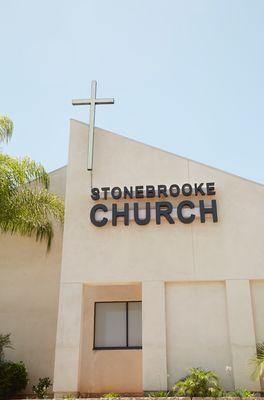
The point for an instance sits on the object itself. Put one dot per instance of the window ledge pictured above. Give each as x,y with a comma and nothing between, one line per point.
118,348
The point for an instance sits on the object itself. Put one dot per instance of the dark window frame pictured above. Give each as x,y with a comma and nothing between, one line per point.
127,347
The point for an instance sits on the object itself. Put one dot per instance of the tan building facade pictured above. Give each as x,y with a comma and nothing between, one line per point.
160,268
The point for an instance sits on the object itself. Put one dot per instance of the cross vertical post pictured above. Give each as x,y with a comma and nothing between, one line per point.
92,101
91,126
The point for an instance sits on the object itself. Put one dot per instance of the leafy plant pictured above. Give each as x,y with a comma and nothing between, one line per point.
6,128
13,378
41,389
199,383
160,393
258,362
111,395
5,343
69,396
239,393
26,205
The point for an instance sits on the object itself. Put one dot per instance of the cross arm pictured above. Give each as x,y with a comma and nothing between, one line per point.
80,102
104,101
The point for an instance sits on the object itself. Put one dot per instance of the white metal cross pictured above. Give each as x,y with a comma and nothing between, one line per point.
92,102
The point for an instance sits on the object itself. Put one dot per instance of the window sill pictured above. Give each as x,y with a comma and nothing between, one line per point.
118,348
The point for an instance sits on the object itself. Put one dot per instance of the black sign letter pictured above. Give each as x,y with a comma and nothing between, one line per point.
187,189
105,190
210,187
145,220
182,204
198,189
116,193
128,192
174,190
162,189
117,214
208,210
95,194
150,191
164,208
92,215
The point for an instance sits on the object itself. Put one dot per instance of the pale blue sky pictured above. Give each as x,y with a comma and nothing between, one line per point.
187,76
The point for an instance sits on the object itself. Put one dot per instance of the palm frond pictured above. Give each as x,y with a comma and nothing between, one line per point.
260,350
31,212
6,128
26,206
15,172
258,362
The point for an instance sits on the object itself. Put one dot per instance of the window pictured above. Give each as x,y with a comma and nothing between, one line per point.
118,325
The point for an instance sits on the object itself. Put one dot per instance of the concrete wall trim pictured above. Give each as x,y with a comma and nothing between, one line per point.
154,336
241,331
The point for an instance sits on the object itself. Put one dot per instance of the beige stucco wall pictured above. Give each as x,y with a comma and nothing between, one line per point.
197,330
224,256
104,371
203,250
257,293
29,290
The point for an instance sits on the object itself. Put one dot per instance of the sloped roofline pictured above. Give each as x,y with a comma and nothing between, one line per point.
57,169
167,152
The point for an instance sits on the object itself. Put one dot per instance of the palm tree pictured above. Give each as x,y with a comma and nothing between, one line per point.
26,205
258,362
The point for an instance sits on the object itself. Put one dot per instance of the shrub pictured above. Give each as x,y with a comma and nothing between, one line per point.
199,383
160,393
258,362
13,378
239,393
69,396
41,389
5,343
111,395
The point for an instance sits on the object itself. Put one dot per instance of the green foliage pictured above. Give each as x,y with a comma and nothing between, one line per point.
41,389
199,383
69,396
26,205
13,378
239,393
111,395
5,343
6,128
160,393
258,362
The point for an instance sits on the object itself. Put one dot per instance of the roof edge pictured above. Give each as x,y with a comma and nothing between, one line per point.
174,154
57,169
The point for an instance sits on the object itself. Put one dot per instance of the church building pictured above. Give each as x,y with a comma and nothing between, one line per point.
159,267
